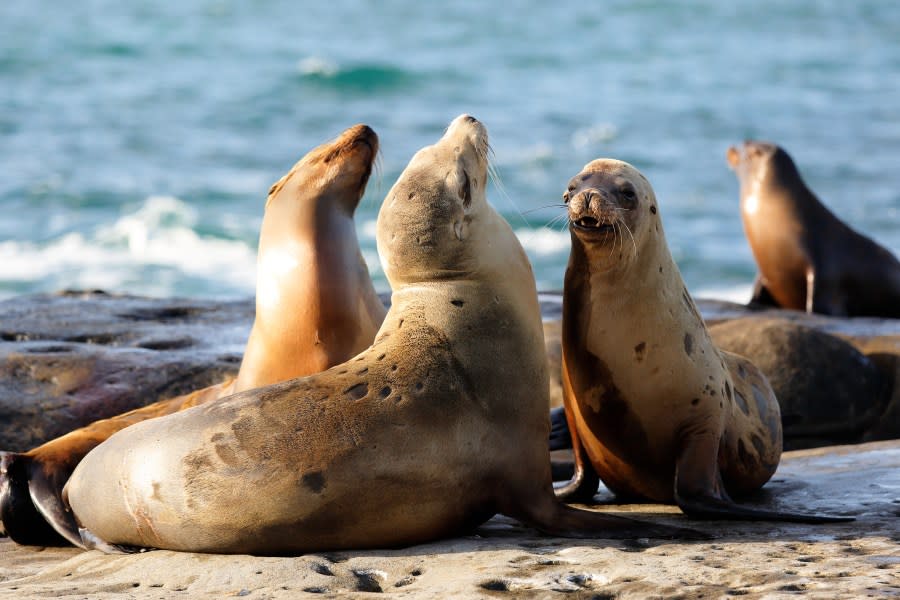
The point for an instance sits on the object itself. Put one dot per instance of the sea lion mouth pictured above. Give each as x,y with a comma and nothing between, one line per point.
592,225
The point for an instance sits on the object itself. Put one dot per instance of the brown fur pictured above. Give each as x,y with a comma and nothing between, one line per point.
437,426
808,258
316,305
658,411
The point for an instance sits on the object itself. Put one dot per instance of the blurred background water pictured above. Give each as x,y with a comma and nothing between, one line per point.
138,139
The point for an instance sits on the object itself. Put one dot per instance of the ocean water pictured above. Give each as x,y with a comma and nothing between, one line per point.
138,139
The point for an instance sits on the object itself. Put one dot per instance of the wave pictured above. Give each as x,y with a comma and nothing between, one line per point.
588,137
544,241
361,77
153,251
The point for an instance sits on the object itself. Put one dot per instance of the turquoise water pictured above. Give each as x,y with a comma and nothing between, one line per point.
138,139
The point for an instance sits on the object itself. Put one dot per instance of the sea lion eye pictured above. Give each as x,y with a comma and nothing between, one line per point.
465,190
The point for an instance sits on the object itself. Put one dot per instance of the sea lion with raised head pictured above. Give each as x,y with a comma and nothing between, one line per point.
808,258
653,407
440,424
315,307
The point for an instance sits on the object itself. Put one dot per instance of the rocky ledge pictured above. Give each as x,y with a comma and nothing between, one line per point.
502,559
70,358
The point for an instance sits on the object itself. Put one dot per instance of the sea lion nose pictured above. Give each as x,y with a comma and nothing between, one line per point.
590,200
733,155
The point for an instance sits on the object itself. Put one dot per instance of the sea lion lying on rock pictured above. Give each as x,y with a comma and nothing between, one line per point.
315,307
440,424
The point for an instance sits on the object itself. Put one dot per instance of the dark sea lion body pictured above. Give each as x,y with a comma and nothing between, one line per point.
808,258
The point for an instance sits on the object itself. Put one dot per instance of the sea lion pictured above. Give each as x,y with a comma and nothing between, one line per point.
808,258
315,307
653,406
437,426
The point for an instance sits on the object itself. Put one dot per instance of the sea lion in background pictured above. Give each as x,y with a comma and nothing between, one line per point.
441,423
315,307
808,258
653,406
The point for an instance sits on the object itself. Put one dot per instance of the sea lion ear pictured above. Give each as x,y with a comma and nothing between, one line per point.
465,190
275,188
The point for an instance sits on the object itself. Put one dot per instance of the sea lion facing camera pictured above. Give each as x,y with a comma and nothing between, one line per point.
437,426
315,307
808,258
653,406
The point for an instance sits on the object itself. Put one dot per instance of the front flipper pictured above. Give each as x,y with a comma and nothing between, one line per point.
22,520
700,494
761,295
585,481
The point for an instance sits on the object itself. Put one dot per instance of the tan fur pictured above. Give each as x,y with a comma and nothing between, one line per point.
316,306
437,426
642,380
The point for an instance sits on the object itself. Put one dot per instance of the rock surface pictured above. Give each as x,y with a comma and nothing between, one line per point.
502,559
72,358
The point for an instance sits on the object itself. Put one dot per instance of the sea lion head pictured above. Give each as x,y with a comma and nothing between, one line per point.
435,218
335,172
611,206
760,163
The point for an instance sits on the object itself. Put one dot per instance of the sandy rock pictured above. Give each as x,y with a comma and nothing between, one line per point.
502,559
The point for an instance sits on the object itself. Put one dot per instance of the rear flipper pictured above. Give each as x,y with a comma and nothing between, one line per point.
45,483
709,507
560,438
22,520
89,541
543,512
700,494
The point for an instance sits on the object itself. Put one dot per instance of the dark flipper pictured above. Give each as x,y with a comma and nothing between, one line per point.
709,507
585,481
700,494
546,514
560,438
46,494
22,520
761,294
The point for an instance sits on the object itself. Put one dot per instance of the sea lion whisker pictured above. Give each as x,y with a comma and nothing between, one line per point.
630,234
563,218
531,210
501,189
